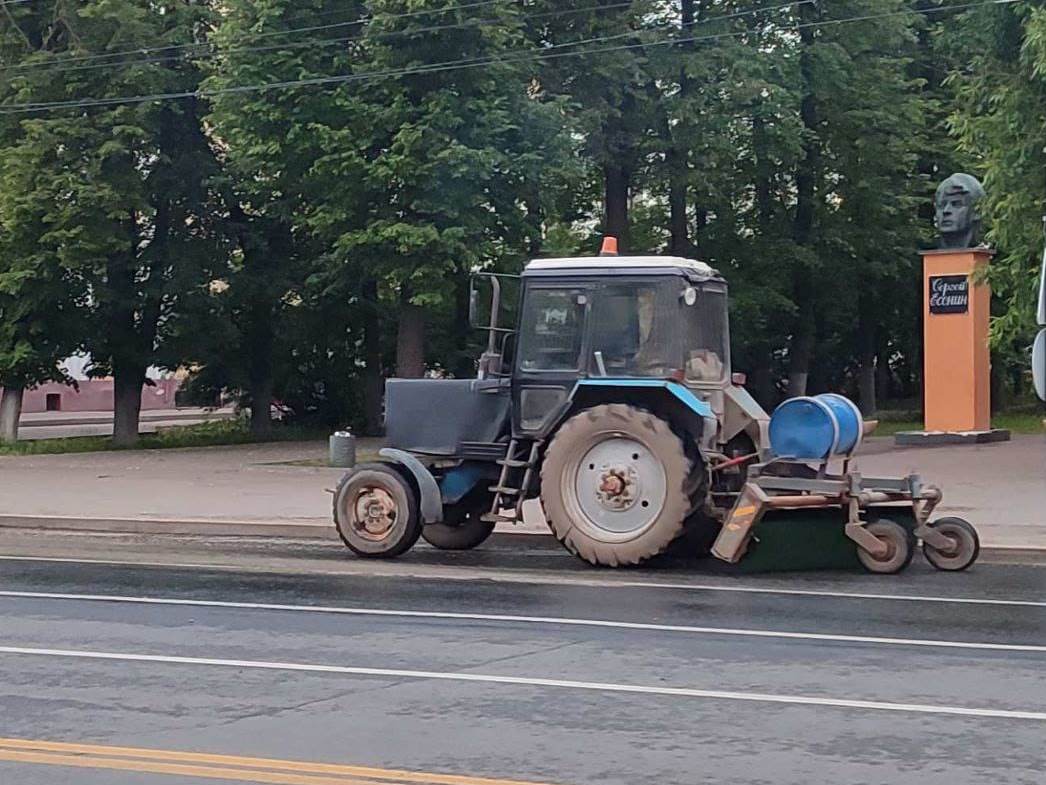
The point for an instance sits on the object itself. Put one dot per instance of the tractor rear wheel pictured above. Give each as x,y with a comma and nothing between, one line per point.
614,485
376,511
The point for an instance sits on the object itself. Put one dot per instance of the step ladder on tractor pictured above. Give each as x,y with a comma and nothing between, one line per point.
609,411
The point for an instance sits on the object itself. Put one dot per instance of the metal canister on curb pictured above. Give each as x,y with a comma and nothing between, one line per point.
342,449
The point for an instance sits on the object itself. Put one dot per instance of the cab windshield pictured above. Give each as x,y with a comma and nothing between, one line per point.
635,329
662,328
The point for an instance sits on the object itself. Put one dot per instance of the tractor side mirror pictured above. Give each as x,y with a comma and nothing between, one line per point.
508,351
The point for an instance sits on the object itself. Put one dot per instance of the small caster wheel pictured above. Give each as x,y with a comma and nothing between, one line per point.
900,547
966,545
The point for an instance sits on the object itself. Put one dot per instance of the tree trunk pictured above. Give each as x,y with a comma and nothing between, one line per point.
535,219
10,413
410,338
761,381
866,387
677,156
372,375
260,340
996,389
804,335
763,174
882,378
127,405
261,406
615,219
679,231
801,351
868,345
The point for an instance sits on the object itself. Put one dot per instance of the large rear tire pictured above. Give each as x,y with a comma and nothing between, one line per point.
614,485
376,511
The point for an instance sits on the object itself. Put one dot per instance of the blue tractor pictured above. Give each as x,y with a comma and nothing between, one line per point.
602,412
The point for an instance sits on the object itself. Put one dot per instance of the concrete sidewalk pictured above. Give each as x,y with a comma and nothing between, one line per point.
277,489
61,425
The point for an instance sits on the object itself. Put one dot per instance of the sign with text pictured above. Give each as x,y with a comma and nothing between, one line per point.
949,293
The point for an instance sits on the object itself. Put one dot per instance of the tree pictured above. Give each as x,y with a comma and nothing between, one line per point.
134,216
407,174
1000,89
612,92
39,294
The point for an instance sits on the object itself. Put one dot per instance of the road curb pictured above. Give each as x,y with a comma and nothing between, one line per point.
288,529
303,530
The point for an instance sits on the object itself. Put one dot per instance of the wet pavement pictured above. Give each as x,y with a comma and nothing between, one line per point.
302,664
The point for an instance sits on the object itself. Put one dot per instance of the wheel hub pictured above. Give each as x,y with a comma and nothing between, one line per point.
619,485
375,511
618,488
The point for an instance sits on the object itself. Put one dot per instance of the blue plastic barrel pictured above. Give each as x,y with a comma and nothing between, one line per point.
815,428
851,423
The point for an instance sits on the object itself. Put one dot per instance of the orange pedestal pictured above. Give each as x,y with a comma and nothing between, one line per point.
957,363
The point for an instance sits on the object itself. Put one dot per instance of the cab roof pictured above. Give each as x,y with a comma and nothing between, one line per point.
621,264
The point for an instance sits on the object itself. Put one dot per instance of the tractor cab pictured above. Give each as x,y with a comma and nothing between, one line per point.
616,322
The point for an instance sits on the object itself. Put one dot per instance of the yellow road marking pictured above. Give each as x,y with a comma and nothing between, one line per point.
228,767
179,769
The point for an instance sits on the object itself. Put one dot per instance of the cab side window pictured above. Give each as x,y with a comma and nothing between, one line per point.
551,334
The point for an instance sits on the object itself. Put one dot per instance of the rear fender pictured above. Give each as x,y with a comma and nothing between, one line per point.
666,398
430,501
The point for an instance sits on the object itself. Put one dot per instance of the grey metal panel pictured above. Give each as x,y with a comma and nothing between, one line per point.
431,501
435,416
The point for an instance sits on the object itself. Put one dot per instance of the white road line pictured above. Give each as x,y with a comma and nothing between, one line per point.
548,620
682,692
530,578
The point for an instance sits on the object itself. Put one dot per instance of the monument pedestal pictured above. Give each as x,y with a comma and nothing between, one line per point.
956,357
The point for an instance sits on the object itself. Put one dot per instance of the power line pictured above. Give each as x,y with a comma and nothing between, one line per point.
598,39
269,34
468,62
319,42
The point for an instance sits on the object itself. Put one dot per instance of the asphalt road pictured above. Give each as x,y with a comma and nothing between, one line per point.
279,662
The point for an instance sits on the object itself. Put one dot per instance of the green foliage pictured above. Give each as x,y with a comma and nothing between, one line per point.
295,243
112,200
1000,91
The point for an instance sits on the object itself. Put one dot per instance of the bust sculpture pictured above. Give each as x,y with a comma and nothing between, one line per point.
956,212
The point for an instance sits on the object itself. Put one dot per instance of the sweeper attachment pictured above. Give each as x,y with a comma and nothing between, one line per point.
883,518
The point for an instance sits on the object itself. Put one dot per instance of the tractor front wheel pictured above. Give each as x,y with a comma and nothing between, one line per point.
376,511
614,485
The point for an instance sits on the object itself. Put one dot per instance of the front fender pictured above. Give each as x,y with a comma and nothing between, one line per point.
430,500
